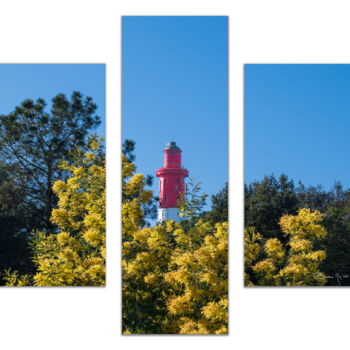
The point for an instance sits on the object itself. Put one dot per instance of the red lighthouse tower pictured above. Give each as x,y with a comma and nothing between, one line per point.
171,184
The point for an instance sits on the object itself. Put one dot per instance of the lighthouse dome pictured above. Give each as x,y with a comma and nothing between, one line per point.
171,145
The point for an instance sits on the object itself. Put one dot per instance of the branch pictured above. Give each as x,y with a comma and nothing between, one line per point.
29,170
26,160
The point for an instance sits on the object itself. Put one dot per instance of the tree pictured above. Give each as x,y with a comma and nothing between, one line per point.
14,251
337,244
198,275
34,141
295,264
191,202
266,202
150,208
252,252
219,207
154,263
75,256
128,149
335,205
145,254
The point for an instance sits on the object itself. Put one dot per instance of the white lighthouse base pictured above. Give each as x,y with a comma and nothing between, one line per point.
165,214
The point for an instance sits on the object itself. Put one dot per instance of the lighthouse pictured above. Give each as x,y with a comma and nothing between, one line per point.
171,183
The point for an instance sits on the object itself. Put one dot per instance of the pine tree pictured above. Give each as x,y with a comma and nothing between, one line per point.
33,141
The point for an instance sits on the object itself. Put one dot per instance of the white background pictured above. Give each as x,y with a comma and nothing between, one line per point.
89,32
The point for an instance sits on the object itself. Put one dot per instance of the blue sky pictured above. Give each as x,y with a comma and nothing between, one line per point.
174,88
22,81
297,121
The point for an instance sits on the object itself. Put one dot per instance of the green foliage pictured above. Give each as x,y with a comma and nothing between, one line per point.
268,200
36,141
219,207
191,202
33,141
336,266
14,250
75,256
128,149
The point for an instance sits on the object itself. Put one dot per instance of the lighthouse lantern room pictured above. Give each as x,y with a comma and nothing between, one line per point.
171,184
